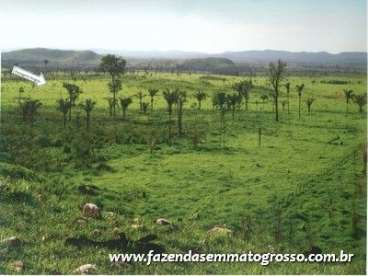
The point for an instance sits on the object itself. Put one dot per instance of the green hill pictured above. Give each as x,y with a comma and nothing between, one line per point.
55,58
211,64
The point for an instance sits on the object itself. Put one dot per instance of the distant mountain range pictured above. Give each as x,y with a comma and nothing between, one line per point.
260,56
90,58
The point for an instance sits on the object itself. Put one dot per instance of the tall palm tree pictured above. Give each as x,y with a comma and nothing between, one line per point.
20,92
124,103
181,99
264,98
200,96
74,91
233,100
171,98
283,104
219,101
360,100
276,75
243,88
88,106
309,103
140,96
115,67
348,93
152,93
111,103
63,107
29,109
299,89
45,61
287,86
114,86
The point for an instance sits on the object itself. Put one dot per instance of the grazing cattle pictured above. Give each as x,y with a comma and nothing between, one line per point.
85,269
91,210
162,221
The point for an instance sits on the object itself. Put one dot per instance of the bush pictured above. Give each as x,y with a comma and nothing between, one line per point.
17,172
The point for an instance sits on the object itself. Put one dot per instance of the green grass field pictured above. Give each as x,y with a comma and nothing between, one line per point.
306,179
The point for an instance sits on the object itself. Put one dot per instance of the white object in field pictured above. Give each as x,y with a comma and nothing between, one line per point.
38,80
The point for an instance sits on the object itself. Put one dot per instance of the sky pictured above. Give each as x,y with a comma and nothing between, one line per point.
186,25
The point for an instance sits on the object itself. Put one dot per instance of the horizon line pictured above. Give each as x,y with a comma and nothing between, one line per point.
173,50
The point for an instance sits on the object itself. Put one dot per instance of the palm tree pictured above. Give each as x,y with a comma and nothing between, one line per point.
219,101
299,89
145,107
110,102
284,103
114,86
276,74
287,86
181,99
114,66
46,61
200,96
233,100
309,103
360,100
152,92
124,103
348,93
20,92
140,96
29,109
171,97
243,88
74,91
88,106
264,98
63,107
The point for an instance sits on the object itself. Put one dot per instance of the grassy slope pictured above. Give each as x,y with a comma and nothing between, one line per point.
197,189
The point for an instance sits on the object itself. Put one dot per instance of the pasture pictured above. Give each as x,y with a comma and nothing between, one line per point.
278,186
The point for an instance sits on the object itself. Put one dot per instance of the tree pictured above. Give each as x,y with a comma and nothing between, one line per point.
29,109
264,98
360,100
124,103
88,106
20,92
219,101
145,107
140,96
114,87
243,88
200,96
74,91
276,73
111,103
284,103
233,100
152,93
171,97
115,67
63,107
45,61
348,93
299,89
287,86
309,103
181,99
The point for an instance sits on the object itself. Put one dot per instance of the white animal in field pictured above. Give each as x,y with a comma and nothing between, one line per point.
91,210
